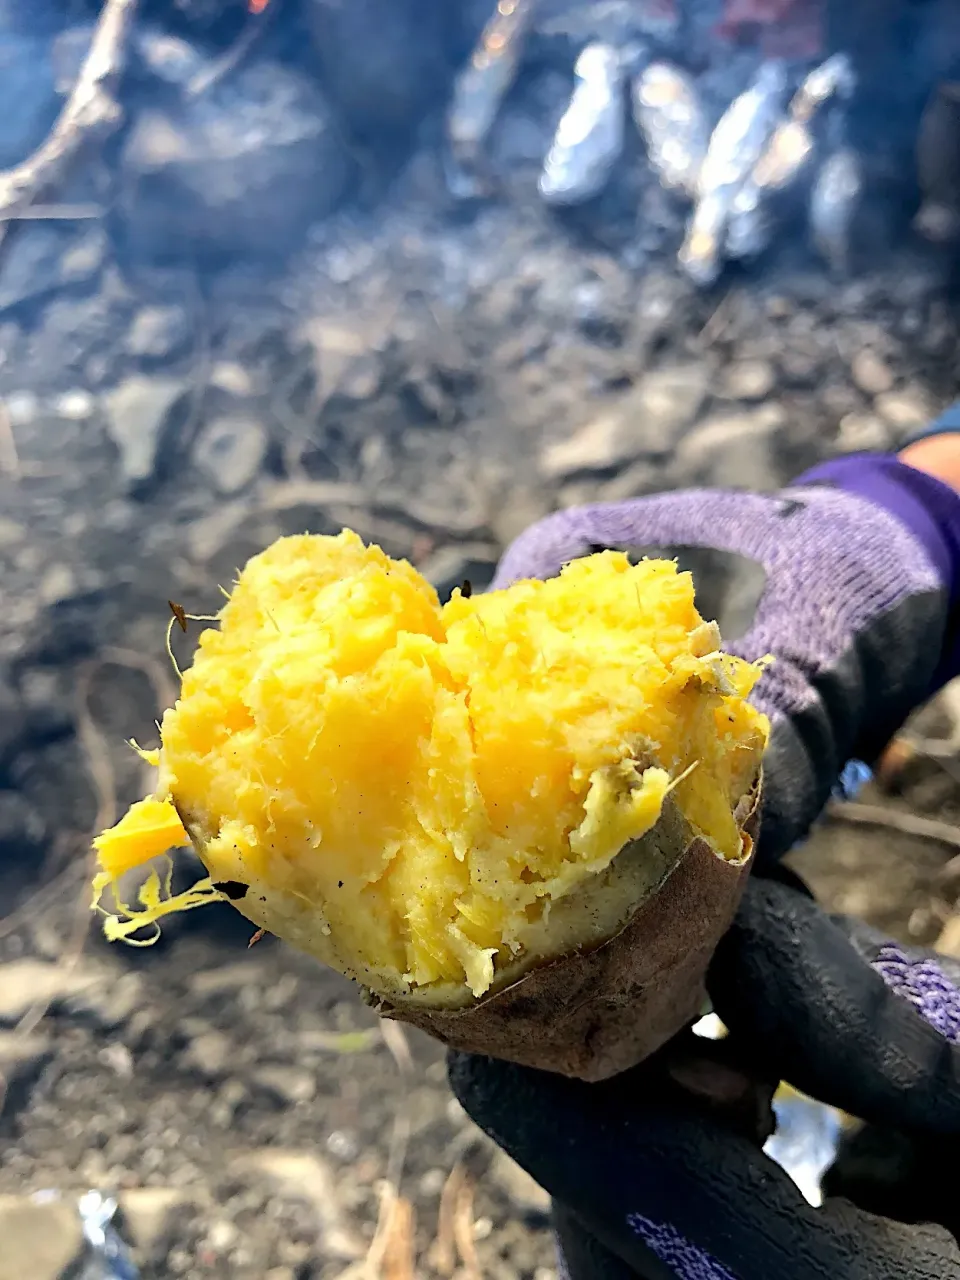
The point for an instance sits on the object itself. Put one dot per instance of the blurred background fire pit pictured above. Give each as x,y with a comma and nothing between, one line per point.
431,269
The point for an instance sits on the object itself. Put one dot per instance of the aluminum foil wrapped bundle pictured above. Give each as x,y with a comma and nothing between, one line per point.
785,159
743,131
750,225
479,91
590,136
673,123
782,150
833,204
834,78
701,254
735,147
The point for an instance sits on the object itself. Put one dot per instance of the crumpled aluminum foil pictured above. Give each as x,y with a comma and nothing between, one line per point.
806,1141
743,131
479,91
105,1256
761,148
786,157
834,201
701,254
834,78
808,1133
735,147
590,136
673,123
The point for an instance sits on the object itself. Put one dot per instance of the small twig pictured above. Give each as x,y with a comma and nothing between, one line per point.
91,111
58,213
455,1222
909,824
396,1041
940,749
399,1257
463,1223
391,1255
455,1228
442,1256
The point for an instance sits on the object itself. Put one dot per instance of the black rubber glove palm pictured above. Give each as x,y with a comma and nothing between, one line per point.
659,1172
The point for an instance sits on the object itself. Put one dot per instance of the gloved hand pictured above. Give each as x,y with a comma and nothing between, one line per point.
659,1172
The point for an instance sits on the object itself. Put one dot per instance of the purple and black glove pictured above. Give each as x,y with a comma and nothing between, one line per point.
859,568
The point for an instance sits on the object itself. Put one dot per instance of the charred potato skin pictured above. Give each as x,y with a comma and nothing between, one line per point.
594,1013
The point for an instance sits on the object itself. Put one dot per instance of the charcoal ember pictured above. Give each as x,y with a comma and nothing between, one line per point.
385,63
230,452
245,167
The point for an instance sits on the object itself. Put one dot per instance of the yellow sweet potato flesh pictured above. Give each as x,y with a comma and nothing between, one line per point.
430,780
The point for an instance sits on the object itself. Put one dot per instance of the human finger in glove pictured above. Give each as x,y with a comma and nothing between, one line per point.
659,1172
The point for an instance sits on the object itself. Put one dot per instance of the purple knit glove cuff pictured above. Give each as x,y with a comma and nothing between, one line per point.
926,506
